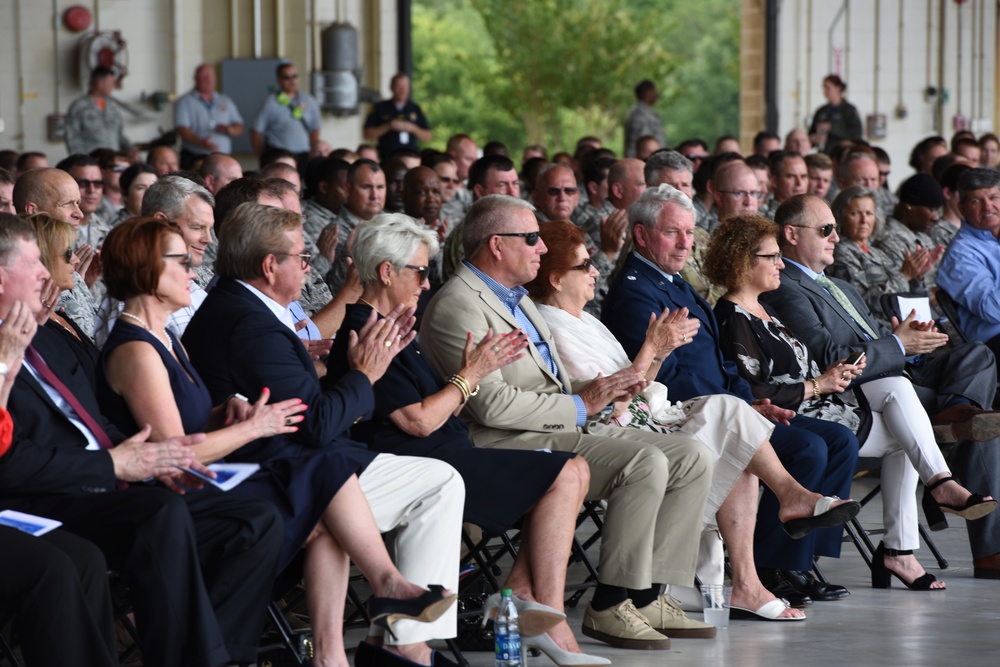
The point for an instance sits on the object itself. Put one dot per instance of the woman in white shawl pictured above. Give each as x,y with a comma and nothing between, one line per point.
725,424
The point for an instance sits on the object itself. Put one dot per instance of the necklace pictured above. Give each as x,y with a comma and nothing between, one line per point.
762,314
360,300
167,343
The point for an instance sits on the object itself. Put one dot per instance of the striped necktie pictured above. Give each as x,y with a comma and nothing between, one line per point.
846,304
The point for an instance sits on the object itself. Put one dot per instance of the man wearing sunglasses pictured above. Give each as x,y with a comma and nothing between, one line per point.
531,404
955,385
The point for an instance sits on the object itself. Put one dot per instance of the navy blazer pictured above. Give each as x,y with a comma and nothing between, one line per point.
238,346
695,369
48,455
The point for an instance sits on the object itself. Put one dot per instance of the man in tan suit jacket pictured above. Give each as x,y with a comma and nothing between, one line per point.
655,484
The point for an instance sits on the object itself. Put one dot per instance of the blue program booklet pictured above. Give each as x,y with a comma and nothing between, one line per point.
228,475
28,523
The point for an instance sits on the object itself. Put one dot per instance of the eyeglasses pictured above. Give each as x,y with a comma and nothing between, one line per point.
774,257
446,179
289,77
695,157
304,257
742,194
824,231
568,191
587,263
422,271
84,184
185,259
531,238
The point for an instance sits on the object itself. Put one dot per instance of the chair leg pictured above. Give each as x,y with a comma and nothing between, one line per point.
941,560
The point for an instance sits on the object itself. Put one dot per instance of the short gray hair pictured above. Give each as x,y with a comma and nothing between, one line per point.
12,230
847,195
665,159
487,217
977,179
646,210
251,232
391,237
168,195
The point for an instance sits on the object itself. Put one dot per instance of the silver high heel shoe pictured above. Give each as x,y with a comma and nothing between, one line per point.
561,656
533,618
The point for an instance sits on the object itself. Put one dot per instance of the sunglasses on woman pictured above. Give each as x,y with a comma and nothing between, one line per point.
587,263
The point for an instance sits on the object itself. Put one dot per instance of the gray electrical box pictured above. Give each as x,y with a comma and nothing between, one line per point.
249,81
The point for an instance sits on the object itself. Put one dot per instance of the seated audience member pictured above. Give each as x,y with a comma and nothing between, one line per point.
112,165
694,150
765,143
731,429
30,160
202,564
906,232
134,182
727,143
967,149
819,455
56,585
597,205
86,171
989,151
866,267
261,267
945,229
884,197
321,210
145,377
789,177
653,521
735,190
163,159
970,269
218,171
7,180
744,257
415,414
797,141
645,146
831,319
443,165
56,192
366,195
55,245
926,151
819,166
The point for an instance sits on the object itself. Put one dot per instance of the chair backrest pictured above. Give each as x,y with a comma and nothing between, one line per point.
950,310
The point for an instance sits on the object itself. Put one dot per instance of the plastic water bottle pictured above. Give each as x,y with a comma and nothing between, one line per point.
509,652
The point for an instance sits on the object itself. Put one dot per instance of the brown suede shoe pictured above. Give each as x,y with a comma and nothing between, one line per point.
987,567
966,422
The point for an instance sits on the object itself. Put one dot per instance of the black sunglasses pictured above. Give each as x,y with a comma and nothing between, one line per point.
587,263
568,191
422,271
825,230
85,183
531,238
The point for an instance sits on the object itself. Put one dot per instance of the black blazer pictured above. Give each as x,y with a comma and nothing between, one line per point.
238,346
48,454
695,369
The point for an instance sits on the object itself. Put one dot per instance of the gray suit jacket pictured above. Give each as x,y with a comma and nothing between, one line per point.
826,328
522,396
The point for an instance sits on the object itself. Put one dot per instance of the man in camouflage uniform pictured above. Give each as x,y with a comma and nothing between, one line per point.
641,120
588,215
789,177
365,190
93,121
906,232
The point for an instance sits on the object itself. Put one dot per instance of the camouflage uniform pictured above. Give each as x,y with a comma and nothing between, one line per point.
78,305
591,225
94,232
337,274
884,201
693,274
317,218
454,212
769,208
872,273
89,127
897,240
943,232
640,121
705,218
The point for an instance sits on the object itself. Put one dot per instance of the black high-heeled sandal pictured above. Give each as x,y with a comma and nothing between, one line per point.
881,574
426,608
975,507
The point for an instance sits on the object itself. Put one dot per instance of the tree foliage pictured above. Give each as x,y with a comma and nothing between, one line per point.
549,71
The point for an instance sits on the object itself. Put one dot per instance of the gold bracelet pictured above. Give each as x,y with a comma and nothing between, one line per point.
462,385
815,382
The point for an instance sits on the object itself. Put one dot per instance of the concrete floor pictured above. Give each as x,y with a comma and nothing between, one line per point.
896,627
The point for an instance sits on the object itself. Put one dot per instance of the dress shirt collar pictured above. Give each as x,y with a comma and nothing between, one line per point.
981,234
510,296
649,263
805,269
279,311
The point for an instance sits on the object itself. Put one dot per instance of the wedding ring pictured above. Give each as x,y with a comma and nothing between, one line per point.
45,304
388,343
288,421
684,338
495,348
25,330
843,375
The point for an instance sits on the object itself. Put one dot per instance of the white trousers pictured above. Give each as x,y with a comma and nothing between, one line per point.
902,435
422,500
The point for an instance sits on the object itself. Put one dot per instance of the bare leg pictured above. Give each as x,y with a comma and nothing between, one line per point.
796,501
736,518
326,571
539,572
349,522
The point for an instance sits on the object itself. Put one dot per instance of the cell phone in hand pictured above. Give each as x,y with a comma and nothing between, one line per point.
855,357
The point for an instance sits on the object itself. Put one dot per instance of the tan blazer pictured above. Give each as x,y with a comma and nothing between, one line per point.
522,396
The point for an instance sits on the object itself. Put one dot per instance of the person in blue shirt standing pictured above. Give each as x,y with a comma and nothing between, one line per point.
288,119
397,122
205,120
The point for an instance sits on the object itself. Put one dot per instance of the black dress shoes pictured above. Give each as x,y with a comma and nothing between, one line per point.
775,581
807,584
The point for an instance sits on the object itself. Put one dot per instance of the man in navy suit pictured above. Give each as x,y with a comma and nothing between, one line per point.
243,339
820,455
200,566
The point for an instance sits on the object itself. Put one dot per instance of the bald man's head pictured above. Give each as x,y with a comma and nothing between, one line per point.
736,190
50,190
422,194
